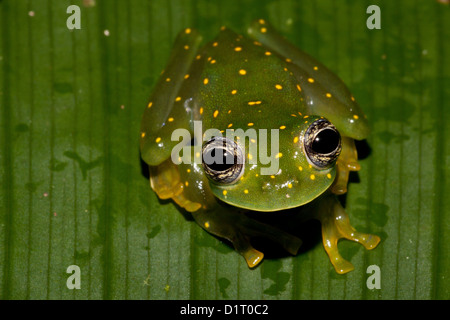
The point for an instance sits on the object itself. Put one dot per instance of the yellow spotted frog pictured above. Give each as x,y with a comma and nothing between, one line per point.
297,123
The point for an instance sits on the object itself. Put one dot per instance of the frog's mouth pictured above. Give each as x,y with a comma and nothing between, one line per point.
272,195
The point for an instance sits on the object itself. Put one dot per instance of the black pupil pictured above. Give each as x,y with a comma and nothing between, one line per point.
224,161
326,141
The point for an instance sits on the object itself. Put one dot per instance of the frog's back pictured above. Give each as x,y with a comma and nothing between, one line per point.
243,83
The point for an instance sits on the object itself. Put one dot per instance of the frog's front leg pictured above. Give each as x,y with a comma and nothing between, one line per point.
235,226
347,161
336,225
165,181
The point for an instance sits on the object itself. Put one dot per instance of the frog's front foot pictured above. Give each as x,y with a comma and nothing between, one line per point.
347,161
239,229
336,225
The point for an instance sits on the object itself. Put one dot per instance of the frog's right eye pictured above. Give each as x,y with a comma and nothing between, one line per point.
322,144
222,160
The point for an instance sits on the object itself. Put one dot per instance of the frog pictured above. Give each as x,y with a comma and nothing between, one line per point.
255,84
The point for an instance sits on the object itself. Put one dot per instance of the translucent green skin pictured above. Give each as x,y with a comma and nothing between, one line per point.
260,82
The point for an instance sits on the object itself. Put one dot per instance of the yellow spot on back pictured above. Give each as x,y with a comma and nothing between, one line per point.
215,44
261,21
216,113
290,185
142,134
316,68
224,192
273,177
206,224
213,61
158,140
256,43
188,170
250,124
312,177
150,104
279,155
283,127
242,72
230,125
299,88
186,47
177,98
246,191
278,86
355,116
205,81
233,91
250,157
187,30
237,49
170,119
353,98
288,60
295,139
328,95
310,80
300,168
201,110
186,76
168,79
186,183
268,53
329,175
198,57
263,29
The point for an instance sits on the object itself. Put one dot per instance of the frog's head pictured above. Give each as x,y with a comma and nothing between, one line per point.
278,168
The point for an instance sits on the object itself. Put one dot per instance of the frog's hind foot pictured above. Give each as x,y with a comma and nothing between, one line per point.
336,225
347,161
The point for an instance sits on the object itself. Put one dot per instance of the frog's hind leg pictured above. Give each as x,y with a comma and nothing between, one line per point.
165,181
336,225
347,161
239,229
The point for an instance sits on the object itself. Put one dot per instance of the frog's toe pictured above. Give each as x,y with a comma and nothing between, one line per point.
253,257
242,245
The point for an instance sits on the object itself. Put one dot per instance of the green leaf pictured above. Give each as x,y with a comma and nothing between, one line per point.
74,192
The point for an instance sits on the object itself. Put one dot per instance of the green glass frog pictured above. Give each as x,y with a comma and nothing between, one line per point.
254,85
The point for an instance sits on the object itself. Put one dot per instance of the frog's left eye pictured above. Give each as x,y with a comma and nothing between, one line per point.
222,160
322,143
